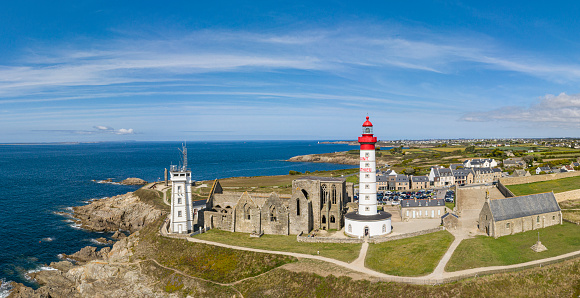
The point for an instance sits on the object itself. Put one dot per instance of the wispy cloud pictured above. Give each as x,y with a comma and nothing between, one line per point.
562,110
340,52
99,129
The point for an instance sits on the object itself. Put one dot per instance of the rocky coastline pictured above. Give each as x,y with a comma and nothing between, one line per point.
110,271
327,158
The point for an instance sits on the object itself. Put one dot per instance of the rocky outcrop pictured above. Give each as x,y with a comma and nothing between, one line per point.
118,235
123,212
134,181
89,253
112,276
340,159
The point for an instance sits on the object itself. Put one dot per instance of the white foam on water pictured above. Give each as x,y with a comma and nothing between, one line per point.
75,225
5,288
48,239
41,268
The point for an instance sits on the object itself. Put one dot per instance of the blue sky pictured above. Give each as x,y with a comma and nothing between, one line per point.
218,70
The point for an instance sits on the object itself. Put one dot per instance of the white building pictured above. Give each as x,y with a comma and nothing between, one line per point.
182,214
480,163
367,221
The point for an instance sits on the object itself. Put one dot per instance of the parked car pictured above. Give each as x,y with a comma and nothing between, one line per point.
395,203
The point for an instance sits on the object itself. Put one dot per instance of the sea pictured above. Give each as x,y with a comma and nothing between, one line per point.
41,182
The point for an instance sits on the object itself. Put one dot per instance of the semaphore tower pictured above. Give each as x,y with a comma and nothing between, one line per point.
367,221
181,204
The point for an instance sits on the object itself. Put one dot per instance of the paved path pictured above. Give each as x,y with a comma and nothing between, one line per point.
360,261
439,271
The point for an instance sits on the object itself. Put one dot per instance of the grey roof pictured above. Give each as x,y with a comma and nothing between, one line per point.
200,203
422,203
332,179
381,178
496,170
516,207
544,169
454,166
483,170
448,214
462,172
442,172
576,164
420,179
402,178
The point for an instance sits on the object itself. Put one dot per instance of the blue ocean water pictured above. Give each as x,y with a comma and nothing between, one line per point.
40,181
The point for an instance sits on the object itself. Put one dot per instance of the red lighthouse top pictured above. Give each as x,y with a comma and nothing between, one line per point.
367,140
367,123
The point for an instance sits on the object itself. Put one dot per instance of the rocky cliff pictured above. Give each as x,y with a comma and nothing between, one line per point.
108,272
125,212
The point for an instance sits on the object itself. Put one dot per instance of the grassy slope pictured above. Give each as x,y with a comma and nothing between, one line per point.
409,257
205,261
558,280
558,185
153,198
343,252
484,251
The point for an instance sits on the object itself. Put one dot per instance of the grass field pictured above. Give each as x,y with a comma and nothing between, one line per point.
409,257
205,261
152,197
558,280
346,252
558,185
484,251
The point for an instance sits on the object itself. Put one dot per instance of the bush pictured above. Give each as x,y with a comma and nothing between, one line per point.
294,172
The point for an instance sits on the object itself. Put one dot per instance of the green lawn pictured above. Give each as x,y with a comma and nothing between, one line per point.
414,256
484,251
558,185
344,252
450,205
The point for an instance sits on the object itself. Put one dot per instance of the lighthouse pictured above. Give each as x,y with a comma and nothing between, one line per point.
367,221
181,204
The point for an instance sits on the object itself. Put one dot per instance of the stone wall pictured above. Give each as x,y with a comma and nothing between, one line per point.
568,195
504,191
537,178
301,238
527,223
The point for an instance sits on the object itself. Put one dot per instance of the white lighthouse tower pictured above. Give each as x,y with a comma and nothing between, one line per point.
367,221
181,204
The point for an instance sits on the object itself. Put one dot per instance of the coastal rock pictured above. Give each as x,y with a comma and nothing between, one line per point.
104,240
89,253
118,235
134,181
339,159
125,212
63,266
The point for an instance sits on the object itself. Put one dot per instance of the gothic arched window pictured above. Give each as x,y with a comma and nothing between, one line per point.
324,194
332,220
298,207
273,213
334,194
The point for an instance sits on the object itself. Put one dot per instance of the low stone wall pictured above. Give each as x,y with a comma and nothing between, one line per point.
504,191
301,238
403,236
567,195
537,178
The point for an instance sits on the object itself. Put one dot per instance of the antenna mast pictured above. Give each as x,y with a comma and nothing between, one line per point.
184,152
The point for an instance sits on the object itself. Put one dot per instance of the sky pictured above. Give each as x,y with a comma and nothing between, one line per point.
287,70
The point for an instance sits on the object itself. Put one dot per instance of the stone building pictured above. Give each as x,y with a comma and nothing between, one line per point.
315,203
485,175
431,208
519,214
463,176
419,182
440,177
450,221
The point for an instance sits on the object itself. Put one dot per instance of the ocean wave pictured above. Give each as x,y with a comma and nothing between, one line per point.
76,225
40,268
48,239
5,287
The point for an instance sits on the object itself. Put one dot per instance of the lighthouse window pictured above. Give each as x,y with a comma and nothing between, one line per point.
367,209
366,154
366,165
367,176
366,197
366,186
178,213
350,228
178,200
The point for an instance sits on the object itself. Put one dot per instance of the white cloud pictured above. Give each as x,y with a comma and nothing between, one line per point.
562,110
124,131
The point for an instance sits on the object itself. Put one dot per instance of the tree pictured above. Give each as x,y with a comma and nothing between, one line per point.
409,171
470,149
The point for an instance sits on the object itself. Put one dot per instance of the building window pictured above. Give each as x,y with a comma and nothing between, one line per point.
350,228
538,219
297,207
407,213
366,154
178,189
367,209
366,186
178,200
324,194
367,175
507,225
384,228
178,213
273,213
367,197
439,212
367,165
332,220
323,219
333,194
553,217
